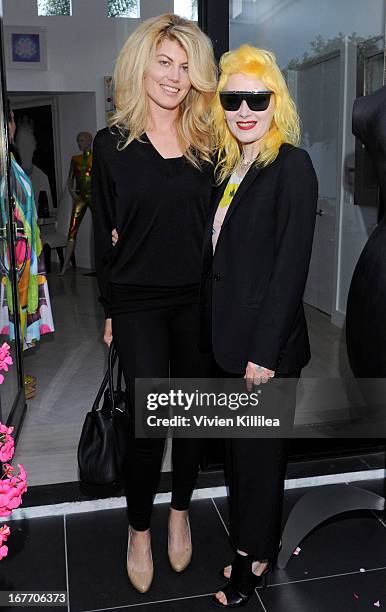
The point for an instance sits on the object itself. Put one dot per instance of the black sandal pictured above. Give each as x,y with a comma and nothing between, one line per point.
221,572
242,583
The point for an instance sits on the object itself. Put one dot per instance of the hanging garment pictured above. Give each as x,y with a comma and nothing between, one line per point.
34,300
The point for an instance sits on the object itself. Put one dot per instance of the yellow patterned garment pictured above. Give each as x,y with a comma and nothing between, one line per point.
227,197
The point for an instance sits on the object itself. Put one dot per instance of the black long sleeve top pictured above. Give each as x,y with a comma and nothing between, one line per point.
159,208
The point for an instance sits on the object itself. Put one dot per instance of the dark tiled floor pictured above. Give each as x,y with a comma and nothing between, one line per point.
325,576
344,593
36,558
96,556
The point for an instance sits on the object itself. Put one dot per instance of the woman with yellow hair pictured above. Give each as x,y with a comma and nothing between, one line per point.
256,257
152,180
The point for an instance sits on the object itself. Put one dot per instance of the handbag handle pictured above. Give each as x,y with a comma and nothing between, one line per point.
108,377
110,371
112,359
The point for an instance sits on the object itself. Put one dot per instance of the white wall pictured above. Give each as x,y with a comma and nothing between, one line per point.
81,50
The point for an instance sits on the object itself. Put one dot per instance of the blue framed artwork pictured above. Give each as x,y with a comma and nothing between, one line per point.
26,47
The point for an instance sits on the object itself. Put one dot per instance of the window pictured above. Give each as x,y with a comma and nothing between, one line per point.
123,8
47,8
187,9
236,8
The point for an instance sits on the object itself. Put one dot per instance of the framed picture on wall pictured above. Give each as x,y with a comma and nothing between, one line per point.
25,48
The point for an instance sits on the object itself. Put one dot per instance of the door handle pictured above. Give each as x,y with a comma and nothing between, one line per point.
320,212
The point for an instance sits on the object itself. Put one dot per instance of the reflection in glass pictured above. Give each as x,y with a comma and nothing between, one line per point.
373,69
236,8
47,8
300,31
10,388
34,303
123,8
187,9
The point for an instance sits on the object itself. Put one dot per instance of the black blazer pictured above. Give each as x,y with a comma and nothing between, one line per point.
252,287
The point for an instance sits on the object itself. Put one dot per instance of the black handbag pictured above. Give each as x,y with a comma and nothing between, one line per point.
105,434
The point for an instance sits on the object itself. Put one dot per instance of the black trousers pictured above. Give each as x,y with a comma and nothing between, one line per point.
157,343
255,471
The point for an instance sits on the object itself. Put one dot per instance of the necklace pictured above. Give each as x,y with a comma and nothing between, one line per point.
245,163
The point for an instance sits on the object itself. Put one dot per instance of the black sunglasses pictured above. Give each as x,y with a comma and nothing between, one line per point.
256,100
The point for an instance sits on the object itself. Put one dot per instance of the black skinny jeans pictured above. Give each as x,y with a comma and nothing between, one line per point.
148,343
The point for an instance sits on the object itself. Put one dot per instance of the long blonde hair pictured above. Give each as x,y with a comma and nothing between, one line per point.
131,101
285,126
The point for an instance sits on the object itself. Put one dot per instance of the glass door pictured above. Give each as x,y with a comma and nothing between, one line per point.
315,44
13,257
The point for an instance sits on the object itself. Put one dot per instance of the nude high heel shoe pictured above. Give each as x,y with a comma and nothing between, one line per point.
141,581
180,560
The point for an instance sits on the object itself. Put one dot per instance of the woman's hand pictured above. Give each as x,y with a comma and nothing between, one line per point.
114,237
255,374
108,332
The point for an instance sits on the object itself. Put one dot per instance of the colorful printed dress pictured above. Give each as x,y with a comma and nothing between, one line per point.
34,300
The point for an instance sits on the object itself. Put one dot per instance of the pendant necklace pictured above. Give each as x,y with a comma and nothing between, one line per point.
244,166
246,163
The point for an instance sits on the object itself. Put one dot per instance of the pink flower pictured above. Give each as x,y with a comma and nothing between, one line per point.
4,535
5,351
3,552
6,443
12,484
4,363
4,532
6,430
12,488
7,450
8,469
4,513
22,473
5,348
5,359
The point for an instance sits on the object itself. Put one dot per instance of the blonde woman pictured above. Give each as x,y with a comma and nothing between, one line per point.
152,181
256,257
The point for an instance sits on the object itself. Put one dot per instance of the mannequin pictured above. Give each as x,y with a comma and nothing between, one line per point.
79,186
366,306
26,145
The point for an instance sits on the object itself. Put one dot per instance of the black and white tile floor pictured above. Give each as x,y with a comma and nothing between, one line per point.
85,555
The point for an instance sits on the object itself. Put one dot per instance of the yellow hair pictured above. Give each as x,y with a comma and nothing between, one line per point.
285,125
132,108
